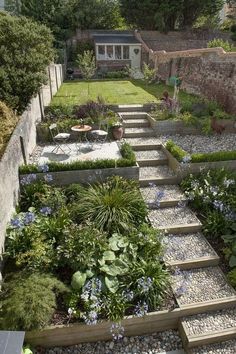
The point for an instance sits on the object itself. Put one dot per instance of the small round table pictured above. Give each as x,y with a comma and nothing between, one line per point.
82,131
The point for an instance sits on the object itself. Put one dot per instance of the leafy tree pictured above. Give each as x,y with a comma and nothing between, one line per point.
87,65
25,52
218,42
55,14
97,14
167,14
149,73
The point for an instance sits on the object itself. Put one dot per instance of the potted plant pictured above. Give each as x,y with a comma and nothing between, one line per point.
117,130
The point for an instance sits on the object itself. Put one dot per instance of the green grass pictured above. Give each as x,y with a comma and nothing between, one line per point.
112,91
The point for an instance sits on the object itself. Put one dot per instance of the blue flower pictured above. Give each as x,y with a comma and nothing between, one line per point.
144,284
16,223
181,290
128,295
48,178
151,184
46,210
141,309
117,331
91,318
28,179
186,159
43,168
29,218
218,205
182,203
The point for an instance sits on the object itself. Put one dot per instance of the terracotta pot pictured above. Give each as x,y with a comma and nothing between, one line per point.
117,132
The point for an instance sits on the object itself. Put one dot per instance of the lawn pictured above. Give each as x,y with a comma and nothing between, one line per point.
112,91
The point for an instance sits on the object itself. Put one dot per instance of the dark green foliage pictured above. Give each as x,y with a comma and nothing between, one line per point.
175,150
73,192
232,277
167,15
25,52
59,112
120,74
113,206
29,301
80,48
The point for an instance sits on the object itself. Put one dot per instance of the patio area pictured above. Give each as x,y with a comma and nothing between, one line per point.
75,152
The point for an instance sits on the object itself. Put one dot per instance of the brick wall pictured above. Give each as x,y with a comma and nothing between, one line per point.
207,72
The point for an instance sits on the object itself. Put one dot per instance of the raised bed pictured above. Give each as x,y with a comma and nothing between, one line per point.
62,178
170,126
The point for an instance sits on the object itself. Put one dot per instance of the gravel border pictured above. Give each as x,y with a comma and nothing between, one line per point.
200,285
218,348
147,344
172,216
213,321
203,143
186,246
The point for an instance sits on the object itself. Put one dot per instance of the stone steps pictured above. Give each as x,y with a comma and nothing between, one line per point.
133,115
172,196
154,157
142,142
124,108
136,123
188,251
207,328
138,132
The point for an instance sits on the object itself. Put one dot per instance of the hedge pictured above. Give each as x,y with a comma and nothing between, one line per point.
179,154
128,159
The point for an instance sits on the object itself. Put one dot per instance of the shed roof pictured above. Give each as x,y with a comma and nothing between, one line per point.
115,39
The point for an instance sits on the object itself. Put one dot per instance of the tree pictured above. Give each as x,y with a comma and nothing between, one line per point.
167,15
87,65
97,14
25,52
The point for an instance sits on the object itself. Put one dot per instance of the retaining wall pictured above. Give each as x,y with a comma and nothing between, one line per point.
14,153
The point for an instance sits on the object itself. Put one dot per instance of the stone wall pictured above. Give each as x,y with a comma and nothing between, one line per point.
13,156
184,40
207,72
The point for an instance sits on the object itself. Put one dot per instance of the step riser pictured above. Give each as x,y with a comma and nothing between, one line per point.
136,125
143,147
211,338
147,163
130,109
164,204
133,116
198,263
158,181
139,135
182,229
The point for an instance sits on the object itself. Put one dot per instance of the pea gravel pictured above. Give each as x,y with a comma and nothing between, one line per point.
172,216
150,155
143,141
156,172
148,344
171,192
228,347
200,285
186,247
203,143
212,321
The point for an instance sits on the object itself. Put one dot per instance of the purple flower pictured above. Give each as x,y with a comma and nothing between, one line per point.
177,271
181,290
46,211
117,331
28,179
29,218
141,309
43,168
16,223
218,205
48,178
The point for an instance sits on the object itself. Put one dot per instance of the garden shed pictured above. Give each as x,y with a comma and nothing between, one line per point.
116,50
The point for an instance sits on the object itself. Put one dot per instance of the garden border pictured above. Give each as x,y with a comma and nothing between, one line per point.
62,178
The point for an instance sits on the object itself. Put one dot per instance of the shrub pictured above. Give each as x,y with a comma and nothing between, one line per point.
29,301
218,42
120,74
112,206
23,73
8,122
175,150
73,192
91,109
232,277
214,156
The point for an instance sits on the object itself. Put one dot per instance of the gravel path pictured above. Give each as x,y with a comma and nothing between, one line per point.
156,172
186,246
150,154
139,130
199,285
148,344
203,143
171,192
213,321
172,216
219,348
